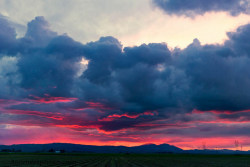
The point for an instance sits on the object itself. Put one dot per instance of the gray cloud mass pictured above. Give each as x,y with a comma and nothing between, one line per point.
136,82
193,7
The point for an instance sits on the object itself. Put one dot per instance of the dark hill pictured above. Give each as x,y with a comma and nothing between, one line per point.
149,148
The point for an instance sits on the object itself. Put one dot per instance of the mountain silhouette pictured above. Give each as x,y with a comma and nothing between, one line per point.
147,148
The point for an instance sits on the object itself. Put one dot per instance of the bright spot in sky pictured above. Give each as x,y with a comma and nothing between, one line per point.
83,66
84,62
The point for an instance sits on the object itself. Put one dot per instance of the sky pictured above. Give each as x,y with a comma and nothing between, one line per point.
108,72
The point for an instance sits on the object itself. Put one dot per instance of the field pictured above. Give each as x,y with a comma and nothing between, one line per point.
122,160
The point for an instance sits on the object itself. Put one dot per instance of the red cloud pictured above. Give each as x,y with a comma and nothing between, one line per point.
115,116
56,116
49,99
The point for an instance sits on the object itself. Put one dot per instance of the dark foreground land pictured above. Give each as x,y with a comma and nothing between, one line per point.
122,160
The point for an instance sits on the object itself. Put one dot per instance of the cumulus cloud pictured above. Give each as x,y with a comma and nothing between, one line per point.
133,88
193,7
7,36
9,77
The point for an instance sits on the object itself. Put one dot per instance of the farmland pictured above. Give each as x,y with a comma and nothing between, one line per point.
122,160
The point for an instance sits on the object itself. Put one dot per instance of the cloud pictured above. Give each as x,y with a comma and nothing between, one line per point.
123,91
38,32
9,77
7,36
193,7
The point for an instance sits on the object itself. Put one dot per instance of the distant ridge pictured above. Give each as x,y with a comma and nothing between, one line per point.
147,148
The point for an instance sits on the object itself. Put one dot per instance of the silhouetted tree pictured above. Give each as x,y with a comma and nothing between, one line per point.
62,151
6,150
51,150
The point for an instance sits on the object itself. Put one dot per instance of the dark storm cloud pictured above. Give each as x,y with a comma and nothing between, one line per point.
238,116
240,41
7,36
48,62
219,75
120,88
193,7
38,33
103,55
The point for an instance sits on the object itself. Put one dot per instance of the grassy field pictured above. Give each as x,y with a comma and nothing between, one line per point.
122,160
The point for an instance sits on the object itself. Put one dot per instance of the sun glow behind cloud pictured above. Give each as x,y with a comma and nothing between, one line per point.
176,31
49,127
